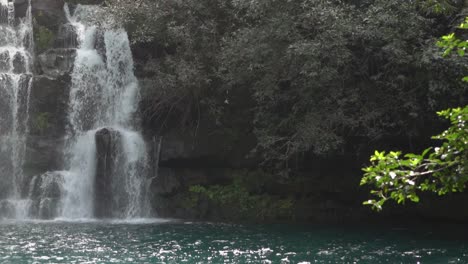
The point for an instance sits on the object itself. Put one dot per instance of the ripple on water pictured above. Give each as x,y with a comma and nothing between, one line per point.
158,241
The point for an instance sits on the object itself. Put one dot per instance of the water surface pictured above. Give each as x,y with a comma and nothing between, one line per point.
156,241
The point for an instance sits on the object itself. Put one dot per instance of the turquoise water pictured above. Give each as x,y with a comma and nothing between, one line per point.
182,242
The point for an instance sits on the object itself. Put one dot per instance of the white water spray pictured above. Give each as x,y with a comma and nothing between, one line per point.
16,47
104,94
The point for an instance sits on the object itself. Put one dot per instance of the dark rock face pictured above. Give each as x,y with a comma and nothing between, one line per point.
66,37
49,13
45,193
49,95
7,209
86,2
5,100
48,16
166,183
49,6
100,45
187,151
107,149
327,192
19,64
43,154
47,123
21,7
57,62
4,62
48,103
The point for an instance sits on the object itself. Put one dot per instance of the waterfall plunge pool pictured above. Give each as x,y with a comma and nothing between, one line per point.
164,241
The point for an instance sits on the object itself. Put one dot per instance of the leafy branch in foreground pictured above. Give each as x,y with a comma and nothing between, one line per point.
442,170
451,43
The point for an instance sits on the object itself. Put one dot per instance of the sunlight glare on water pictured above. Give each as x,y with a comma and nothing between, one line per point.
162,241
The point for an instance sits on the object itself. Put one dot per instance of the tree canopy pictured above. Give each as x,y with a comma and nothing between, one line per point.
307,78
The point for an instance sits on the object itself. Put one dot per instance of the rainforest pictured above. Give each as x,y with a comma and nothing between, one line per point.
238,131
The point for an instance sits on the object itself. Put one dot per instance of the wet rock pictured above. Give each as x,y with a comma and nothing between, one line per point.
66,37
45,192
48,16
100,45
35,183
46,208
47,124
19,63
7,209
6,169
51,184
48,106
86,2
48,185
57,62
21,8
166,183
4,62
43,154
107,149
204,150
6,83
48,13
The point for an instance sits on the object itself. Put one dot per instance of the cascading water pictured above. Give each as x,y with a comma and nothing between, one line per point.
105,157
103,99
16,47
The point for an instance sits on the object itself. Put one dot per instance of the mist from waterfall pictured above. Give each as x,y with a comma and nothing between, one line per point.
16,47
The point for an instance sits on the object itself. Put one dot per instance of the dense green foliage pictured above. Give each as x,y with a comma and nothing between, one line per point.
441,169
243,199
307,77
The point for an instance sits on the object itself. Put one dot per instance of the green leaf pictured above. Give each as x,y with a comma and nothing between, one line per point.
414,198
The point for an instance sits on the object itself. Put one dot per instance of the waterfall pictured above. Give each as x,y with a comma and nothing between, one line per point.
104,174
104,181
16,48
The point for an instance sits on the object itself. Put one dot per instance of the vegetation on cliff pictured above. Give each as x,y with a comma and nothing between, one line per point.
242,200
308,78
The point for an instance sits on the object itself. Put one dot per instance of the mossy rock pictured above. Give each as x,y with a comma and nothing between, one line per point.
43,38
41,122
